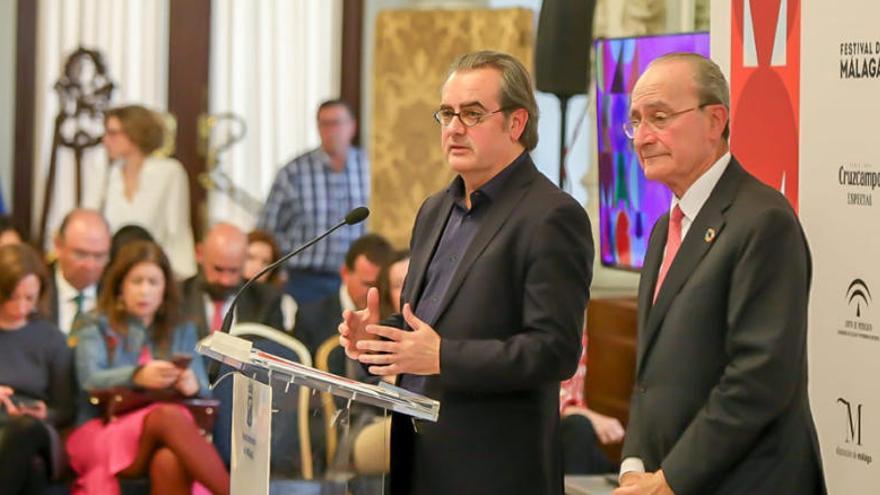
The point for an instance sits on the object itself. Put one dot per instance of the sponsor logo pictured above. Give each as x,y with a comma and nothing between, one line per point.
858,181
858,301
249,417
852,447
858,295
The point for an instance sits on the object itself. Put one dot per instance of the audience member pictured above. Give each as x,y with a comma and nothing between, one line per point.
8,233
82,246
582,429
319,320
146,190
36,390
132,341
391,283
208,295
262,251
311,194
125,235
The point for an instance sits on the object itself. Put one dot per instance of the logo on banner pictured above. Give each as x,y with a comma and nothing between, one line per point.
858,182
852,434
765,68
249,414
858,301
860,59
858,295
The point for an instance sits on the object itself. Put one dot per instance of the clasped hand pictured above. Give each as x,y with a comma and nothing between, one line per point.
159,375
414,352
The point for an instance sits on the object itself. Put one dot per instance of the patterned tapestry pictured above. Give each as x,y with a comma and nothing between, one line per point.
413,50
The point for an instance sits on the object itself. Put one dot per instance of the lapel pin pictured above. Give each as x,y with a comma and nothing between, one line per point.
710,235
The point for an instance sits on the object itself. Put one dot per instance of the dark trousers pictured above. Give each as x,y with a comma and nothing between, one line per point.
24,455
307,286
580,448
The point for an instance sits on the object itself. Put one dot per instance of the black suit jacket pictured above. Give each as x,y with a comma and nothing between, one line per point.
51,308
260,303
720,399
510,324
318,321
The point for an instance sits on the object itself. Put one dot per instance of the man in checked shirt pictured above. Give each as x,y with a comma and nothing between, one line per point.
311,194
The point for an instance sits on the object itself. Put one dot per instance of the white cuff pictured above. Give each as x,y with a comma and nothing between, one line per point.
631,464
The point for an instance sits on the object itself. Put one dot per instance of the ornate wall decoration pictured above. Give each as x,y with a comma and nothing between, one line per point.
413,50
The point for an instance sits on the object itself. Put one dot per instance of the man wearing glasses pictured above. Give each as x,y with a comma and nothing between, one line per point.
493,300
720,400
82,246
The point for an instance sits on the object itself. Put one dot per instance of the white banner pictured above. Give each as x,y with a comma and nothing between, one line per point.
835,102
840,184
251,436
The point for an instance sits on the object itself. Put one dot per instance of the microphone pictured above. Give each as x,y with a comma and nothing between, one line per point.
355,216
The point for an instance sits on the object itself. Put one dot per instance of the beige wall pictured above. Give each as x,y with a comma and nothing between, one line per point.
8,13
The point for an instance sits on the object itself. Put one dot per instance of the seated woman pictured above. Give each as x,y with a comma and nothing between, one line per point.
262,251
36,393
131,343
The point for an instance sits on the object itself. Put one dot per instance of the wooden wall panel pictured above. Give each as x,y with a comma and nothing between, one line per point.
611,360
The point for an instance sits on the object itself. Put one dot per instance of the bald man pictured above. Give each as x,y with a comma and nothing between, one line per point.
82,246
207,295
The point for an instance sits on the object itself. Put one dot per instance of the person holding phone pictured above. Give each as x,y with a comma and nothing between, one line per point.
36,393
138,340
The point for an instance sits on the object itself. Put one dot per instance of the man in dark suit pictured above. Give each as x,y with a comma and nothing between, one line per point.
82,246
720,400
208,295
494,300
318,321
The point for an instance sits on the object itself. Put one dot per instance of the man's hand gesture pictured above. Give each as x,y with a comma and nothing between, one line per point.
353,328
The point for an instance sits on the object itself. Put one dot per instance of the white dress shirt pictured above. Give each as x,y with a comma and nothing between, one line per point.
66,295
160,205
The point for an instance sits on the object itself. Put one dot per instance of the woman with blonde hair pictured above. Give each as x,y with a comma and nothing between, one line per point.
143,189
136,340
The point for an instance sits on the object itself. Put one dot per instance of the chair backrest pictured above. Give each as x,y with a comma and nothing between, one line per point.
322,362
269,333
256,331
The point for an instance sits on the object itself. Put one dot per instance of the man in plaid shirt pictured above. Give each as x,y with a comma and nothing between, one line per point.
311,194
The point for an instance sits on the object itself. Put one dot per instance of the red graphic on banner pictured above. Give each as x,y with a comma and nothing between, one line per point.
765,90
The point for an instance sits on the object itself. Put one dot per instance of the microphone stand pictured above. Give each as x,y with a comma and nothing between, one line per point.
356,215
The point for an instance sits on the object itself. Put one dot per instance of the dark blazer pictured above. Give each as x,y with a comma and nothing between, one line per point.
51,308
720,400
317,321
510,324
260,303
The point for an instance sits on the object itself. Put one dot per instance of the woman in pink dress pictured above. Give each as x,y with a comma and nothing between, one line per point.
130,342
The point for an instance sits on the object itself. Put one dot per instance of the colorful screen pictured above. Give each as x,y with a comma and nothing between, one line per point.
629,204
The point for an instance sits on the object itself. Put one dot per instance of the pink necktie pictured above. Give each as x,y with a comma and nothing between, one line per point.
217,319
673,242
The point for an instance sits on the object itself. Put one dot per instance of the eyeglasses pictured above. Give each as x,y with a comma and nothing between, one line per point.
468,118
658,120
96,256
